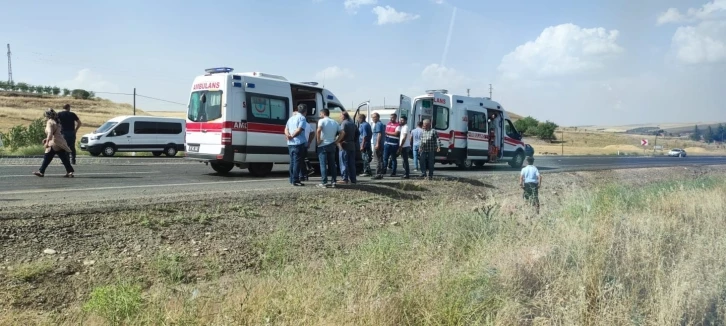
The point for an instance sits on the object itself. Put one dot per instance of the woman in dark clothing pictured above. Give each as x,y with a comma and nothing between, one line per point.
54,143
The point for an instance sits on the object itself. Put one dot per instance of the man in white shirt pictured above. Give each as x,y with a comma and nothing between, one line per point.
404,146
530,180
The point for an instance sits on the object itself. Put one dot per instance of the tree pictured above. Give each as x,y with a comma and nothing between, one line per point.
91,94
546,130
39,89
708,136
56,90
696,135
3,85
66,92
13,86
23,87
80,94
48,90
526,126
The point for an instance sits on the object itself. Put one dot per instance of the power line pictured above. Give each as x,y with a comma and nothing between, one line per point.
158,99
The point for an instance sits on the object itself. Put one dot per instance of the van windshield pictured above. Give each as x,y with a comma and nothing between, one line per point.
106,127
208,111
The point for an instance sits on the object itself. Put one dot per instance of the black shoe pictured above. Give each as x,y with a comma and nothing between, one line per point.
404,177
298,184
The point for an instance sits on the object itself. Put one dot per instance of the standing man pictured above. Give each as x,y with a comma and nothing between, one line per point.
347,141
416,135
404,147
390,149
69,128
304,169
296,138
378,137
365,144
530,180
430,145
327,132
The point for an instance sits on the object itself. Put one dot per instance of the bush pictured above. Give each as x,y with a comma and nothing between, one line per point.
21,136
80,94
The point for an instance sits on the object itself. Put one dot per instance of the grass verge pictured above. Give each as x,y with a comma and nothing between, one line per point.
612,255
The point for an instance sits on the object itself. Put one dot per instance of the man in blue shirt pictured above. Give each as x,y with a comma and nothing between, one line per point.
296,140
378,137
416,135
365,144
530,180
327,135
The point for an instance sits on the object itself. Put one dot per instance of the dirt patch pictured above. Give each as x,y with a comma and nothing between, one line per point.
53,256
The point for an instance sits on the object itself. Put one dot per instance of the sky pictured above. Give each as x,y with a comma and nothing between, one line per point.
572,62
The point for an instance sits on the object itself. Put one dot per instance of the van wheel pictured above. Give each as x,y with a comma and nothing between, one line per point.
260,169
170,151
465,165
221,168
517,161
108,150
157,154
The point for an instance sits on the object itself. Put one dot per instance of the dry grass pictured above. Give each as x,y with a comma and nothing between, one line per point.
612,255
582,142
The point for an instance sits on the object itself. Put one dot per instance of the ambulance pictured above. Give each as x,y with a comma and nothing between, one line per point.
472,130
238,119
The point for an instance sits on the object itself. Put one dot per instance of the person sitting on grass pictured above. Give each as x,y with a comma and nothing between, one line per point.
530,180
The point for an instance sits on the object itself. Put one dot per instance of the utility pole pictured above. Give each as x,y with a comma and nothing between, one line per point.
134,100
10,66
467,92
490,91
562,140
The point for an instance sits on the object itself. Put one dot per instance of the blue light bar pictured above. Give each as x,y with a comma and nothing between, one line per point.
218,70
237,84
330,97
250,85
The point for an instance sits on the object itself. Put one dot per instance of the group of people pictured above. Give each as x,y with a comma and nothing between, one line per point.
379,142
60,139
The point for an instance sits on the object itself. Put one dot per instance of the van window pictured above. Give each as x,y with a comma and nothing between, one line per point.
158,128
209,111
477,121
105,127
441,118
267,108
120,130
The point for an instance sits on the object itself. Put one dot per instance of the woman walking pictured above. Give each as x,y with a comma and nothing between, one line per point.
54,143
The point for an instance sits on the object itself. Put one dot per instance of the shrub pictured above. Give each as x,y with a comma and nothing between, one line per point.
21,136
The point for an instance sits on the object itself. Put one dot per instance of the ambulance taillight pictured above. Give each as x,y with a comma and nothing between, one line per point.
226,136
452,134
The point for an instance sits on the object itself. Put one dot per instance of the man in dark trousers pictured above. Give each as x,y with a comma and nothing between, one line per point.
69,128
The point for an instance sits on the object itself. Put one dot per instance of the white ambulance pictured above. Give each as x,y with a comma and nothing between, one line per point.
463,125
238,119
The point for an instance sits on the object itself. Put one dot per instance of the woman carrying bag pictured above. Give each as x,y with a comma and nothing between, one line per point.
54,143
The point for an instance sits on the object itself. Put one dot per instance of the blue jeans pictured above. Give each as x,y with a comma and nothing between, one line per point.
404,155
367,156
416,155
326,157
347,165
390,152
296,151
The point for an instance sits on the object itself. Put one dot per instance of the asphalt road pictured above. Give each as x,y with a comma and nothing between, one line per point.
142,179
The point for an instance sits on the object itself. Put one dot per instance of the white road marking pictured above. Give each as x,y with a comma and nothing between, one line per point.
82,174
69,190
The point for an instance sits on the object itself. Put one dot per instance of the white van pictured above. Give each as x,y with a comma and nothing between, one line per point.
137,134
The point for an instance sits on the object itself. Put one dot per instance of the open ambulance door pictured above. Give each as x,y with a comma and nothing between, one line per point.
405,109
477,139
312,117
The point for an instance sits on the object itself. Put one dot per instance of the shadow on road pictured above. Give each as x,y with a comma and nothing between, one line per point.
469,181
390,190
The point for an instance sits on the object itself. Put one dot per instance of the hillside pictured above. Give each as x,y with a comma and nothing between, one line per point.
684,127
18,109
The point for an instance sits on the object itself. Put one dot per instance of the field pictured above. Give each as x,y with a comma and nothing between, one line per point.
609,248
588,142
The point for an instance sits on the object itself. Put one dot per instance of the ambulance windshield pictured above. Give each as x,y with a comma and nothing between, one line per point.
205,106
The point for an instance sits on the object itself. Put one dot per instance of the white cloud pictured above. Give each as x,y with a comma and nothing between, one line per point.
353,5
334,72
435,76
90,81
389,15
438,2
561,50
711,10
703,43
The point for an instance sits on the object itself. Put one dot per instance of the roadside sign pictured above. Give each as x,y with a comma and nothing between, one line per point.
644,142
658,148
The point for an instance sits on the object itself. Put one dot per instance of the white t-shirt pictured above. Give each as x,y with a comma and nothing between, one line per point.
406,132
308,130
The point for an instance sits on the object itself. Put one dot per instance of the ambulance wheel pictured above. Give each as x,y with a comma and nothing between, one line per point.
221,168
465,165
260,169
517,161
